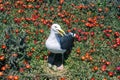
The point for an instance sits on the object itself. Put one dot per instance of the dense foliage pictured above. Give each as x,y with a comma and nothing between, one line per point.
24,27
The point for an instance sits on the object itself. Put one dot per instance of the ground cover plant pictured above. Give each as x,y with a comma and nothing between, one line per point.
25,25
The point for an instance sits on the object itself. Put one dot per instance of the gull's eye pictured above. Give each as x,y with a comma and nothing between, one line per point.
55,26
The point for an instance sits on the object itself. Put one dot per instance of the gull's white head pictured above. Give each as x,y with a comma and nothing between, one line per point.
57,29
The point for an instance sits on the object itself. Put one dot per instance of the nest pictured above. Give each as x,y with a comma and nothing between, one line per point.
52,72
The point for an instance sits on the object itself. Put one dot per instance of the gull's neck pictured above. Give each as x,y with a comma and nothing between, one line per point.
52,35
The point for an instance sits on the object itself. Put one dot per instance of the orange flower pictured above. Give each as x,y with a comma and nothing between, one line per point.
3,46
61,1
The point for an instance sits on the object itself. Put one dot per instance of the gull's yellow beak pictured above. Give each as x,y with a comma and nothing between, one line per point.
61,32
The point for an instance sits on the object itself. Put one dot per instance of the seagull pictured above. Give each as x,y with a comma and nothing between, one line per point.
60,45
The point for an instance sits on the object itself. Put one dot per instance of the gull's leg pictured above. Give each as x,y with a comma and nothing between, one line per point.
58,62
51,58
61,67
64,57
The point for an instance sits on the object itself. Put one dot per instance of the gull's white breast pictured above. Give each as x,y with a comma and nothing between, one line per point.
53,45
